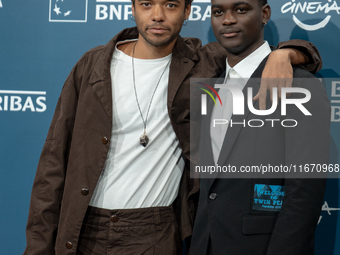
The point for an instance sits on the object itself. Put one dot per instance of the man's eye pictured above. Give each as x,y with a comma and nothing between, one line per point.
217,12
241,10
146,4
171,5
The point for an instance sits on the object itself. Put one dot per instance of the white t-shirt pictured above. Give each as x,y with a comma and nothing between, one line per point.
135,176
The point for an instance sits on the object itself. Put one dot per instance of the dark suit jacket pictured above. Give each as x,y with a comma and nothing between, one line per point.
230,212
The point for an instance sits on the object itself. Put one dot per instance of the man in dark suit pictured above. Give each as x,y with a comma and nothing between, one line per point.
241,213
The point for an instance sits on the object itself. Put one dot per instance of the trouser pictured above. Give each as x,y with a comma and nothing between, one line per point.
146,231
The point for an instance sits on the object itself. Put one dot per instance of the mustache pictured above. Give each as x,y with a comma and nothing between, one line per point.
157,26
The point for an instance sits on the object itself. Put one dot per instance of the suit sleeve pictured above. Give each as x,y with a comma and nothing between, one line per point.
307,143
47,192
308,49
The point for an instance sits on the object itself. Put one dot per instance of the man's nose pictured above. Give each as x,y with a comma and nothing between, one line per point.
229,18
158,13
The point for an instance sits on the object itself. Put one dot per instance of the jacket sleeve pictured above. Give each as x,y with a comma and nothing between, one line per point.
308,49
307,143
47,192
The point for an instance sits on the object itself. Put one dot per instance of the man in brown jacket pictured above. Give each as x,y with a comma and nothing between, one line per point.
108,180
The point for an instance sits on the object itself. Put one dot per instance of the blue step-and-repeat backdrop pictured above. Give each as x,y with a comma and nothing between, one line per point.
40,41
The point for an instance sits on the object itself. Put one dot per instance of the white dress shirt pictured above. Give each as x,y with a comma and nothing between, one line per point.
239,75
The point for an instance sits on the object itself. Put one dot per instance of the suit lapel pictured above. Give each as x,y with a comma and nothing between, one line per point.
233,132
206,152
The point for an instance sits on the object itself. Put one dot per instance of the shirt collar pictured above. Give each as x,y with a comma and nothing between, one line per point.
246,67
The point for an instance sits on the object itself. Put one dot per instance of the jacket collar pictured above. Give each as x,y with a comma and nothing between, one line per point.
100,78
183,60
102,67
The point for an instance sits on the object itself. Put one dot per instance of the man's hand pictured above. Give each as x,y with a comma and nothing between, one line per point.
278,72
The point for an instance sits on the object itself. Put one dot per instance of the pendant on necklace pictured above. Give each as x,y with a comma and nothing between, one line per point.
144,139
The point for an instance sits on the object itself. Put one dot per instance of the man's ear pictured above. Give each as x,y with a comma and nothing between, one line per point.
187,11
133,9
266,13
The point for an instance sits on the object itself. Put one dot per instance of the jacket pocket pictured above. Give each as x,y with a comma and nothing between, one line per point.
258,224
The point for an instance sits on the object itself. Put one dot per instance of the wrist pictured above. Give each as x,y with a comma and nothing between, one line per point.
295,57
282,55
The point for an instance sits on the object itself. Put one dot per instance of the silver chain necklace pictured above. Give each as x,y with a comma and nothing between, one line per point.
144,139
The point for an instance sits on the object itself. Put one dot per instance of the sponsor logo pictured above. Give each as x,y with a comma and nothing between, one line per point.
335,99
326,7
77,10
200,12
68,10
328,209
109,9
18,100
